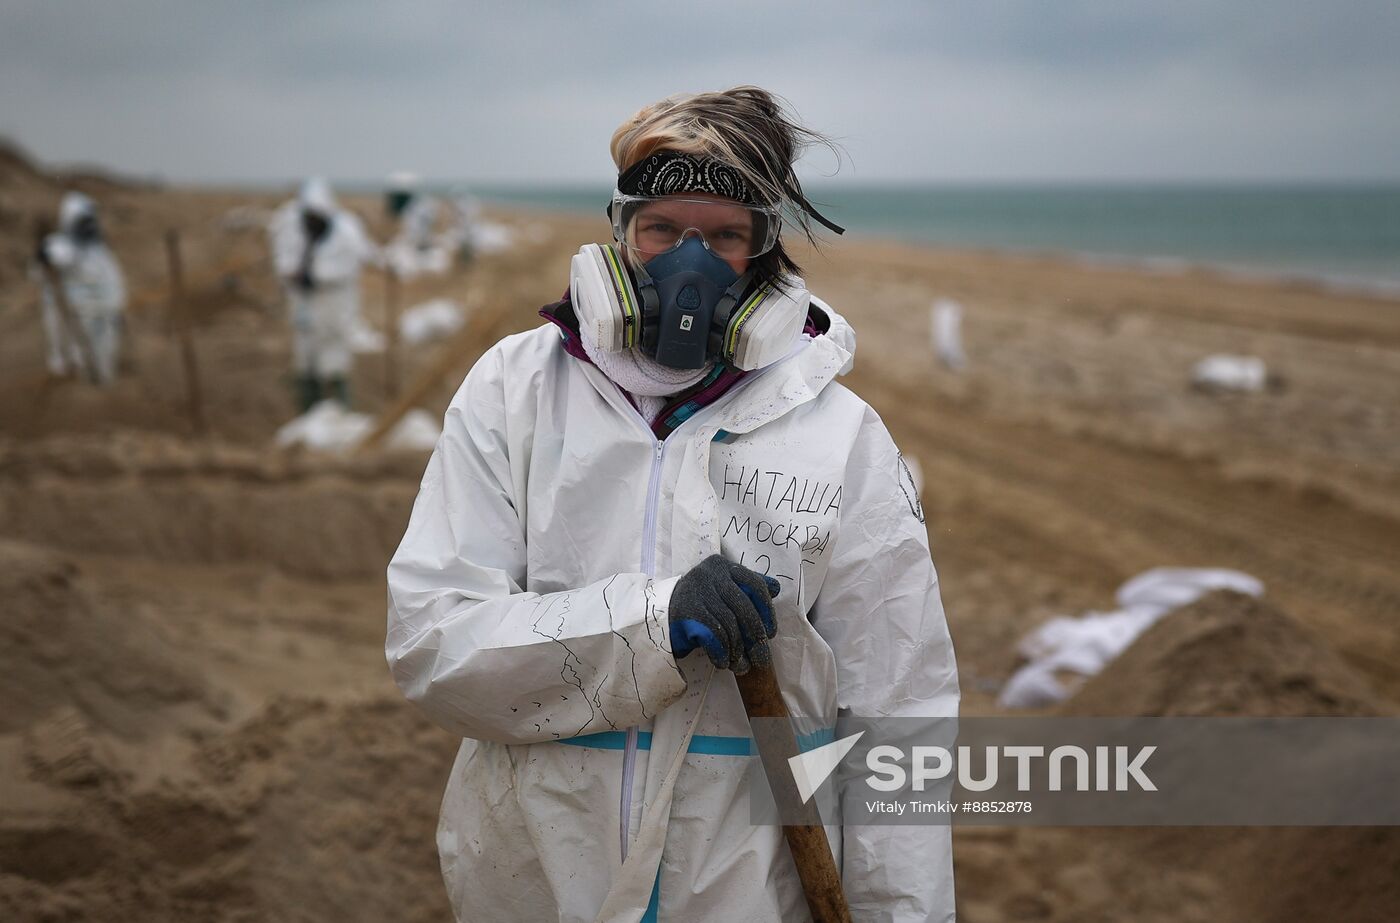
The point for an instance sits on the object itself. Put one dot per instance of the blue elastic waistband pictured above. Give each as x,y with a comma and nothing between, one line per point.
707,744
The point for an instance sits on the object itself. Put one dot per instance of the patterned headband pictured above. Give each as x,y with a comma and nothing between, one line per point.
672,173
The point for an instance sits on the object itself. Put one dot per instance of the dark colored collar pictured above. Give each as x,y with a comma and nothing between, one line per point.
561,314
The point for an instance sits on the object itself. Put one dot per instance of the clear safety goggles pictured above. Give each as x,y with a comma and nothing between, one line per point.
655,224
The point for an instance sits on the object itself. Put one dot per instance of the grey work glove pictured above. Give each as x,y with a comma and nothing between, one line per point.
725,609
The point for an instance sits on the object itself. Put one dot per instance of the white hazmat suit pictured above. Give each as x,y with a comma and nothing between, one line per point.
93,287
325,314
599,778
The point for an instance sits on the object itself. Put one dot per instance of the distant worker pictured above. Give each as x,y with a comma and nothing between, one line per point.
414,246
318,249
400,188
416,212
93,288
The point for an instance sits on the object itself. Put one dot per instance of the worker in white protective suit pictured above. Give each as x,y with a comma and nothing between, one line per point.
415,211
93,287
415,248
656,490
318,250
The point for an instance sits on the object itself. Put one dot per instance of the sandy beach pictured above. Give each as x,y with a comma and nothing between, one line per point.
199,724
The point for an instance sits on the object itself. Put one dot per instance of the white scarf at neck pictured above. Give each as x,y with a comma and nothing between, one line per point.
641,375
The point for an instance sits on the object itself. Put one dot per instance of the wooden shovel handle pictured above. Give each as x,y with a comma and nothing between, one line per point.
811,853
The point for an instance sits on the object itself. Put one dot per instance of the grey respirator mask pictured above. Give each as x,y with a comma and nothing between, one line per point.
669,287
683,291
686,308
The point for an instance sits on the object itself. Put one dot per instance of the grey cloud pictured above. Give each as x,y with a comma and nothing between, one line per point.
1072,89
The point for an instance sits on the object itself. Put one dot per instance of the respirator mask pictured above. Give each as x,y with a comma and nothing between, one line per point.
87,230
670,286
77,217
314,224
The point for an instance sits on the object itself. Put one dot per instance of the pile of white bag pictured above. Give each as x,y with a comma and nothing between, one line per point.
364,339
430,320
1084,645
490,237
330,427
1230,373
409,260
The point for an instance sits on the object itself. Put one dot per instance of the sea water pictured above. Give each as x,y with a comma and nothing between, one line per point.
1343,235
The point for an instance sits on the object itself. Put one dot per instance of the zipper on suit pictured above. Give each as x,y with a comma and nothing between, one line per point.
629,753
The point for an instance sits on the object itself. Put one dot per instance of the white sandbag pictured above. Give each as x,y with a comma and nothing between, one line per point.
1230,373
329,427
489,237
430,320
1064,652
410,261
326,427
1172,587
417,431
364,339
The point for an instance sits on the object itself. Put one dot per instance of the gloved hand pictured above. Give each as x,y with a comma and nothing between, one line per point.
727,610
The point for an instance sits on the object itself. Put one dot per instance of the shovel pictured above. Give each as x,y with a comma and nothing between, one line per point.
777,743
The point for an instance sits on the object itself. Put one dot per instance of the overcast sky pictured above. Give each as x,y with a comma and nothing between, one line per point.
531,90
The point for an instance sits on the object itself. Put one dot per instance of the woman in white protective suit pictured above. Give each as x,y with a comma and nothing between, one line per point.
318,249
93,287
631,503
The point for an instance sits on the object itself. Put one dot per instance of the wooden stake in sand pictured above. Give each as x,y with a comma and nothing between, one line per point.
391,333
157,295
179,321
464,345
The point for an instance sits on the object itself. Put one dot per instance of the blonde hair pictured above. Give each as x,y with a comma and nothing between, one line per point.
745,127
